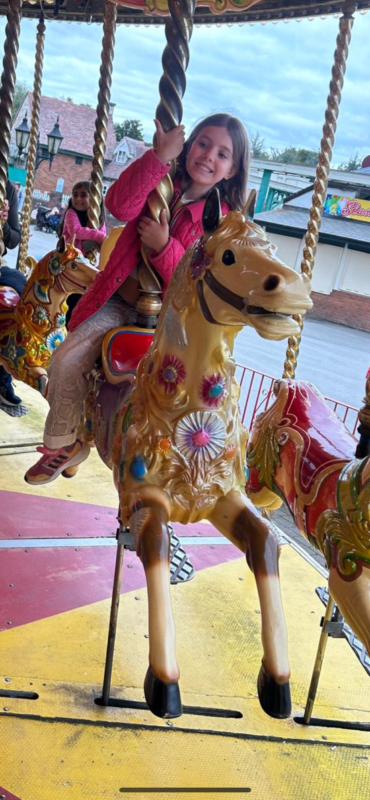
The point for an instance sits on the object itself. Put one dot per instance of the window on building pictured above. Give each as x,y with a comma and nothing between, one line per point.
78,160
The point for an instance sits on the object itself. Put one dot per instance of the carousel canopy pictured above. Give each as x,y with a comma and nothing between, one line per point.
209,12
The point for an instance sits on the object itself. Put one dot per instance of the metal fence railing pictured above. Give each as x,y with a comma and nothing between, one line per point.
256,394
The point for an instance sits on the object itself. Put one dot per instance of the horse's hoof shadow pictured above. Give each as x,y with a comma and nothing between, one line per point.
163,699
274,697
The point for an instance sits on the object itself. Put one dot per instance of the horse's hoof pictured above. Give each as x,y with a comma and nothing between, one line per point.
163,699
274,697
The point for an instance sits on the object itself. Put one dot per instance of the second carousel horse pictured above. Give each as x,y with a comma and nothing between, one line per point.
301,452
32,326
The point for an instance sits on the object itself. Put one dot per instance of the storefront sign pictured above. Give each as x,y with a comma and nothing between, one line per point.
351,207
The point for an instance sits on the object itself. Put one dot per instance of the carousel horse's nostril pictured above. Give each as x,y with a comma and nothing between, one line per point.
272,282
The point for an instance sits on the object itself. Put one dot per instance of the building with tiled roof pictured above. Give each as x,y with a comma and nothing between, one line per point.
125,152
73,161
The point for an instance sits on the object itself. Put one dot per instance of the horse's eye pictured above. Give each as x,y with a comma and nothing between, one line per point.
228,258
73,265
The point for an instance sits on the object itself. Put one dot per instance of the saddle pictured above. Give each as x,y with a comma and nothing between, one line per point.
122,350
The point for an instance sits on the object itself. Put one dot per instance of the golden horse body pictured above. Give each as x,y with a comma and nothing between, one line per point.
180,445
32,327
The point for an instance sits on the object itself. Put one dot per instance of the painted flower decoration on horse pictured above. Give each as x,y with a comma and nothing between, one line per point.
171,372
212,390
54,339
55,265
39,315
60,320
201,434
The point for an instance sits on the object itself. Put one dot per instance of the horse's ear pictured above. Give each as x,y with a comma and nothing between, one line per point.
61,246
248,209
212,211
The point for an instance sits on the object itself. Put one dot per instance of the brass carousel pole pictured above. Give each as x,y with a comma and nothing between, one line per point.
7,89
32,145
102,112
309,252
323,168
172,86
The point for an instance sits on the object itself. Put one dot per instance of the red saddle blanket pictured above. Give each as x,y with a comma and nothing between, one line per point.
123,348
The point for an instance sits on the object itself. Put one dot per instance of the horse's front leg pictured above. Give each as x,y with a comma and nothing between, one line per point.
237,519
148,525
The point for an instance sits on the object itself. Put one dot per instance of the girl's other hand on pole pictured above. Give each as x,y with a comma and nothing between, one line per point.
169,145
154,234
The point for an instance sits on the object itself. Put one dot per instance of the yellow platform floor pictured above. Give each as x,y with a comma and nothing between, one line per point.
62,745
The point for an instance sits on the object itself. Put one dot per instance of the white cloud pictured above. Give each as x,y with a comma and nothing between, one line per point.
275,77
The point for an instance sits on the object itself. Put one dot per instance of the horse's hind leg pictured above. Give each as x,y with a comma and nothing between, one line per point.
148,525
237,519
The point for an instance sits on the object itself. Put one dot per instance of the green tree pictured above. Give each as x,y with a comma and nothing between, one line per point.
257,144
130,127
295,155
19,95
352,164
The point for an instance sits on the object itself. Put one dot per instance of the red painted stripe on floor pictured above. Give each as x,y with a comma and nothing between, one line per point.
8,795
27,516
43,582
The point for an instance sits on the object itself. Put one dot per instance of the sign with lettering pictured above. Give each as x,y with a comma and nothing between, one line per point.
336,205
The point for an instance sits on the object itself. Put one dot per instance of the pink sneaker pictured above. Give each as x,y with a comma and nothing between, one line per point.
53,462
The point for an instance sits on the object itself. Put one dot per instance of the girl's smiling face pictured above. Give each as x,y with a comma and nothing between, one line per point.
210,158
80,199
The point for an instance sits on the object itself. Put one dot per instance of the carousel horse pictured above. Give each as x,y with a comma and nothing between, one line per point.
33,325
301,452
178,444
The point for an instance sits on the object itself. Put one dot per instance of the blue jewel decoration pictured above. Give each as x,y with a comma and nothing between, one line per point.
216,390
138,468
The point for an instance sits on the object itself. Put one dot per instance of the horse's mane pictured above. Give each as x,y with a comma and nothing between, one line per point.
242,232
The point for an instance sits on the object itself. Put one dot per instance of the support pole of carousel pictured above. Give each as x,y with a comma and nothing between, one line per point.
102,113
172,87
309,252
323,168
7,89
32,144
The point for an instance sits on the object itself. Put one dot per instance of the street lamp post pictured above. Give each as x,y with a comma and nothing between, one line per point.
44,153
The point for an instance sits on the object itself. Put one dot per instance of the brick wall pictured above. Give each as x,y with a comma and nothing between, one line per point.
342,307
63,166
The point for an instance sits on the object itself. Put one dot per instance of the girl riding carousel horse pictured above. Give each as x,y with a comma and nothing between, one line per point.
216,154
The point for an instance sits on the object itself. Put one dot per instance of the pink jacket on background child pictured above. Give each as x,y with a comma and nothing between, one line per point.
72,227
126,200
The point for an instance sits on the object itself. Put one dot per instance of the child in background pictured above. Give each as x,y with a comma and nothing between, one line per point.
75,224
216,154
75,221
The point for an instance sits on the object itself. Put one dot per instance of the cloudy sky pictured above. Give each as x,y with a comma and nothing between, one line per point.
274,77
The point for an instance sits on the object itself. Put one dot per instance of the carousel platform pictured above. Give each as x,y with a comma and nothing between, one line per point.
57,554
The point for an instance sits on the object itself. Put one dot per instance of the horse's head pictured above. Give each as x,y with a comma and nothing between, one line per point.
240,280
65,270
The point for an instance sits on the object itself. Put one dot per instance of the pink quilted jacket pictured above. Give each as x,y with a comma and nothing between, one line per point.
72,227
126,200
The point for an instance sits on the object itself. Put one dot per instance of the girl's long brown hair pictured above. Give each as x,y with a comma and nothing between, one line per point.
234,190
